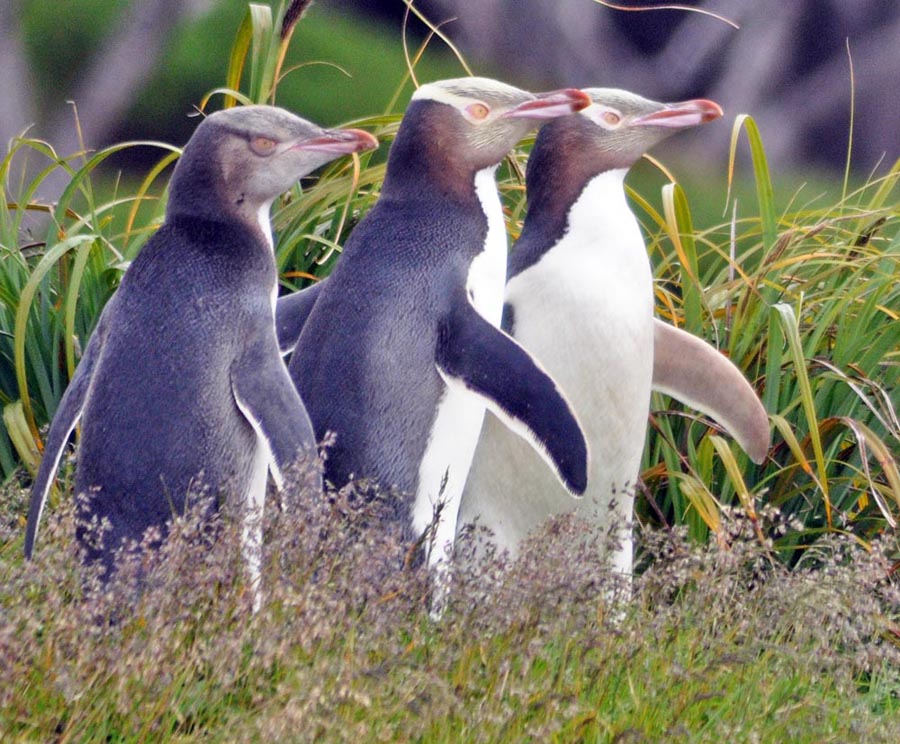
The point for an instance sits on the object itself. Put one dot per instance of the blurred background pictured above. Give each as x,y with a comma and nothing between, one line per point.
136,70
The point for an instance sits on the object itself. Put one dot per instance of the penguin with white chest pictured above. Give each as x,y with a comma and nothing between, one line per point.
401,352
579,297
156,423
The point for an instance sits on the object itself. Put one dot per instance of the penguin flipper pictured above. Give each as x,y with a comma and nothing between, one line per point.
68,413
291,312
695,373
487,362
268,400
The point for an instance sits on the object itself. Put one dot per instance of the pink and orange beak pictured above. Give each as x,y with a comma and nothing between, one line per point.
339,141
551,105
681,115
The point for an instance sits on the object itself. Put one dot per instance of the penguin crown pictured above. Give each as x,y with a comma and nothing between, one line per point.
478,99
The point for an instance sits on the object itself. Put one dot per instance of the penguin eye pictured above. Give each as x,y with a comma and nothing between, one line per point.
478,111
611,118
263,145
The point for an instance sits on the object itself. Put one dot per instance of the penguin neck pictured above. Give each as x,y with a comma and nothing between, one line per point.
196,194
557,208
422,168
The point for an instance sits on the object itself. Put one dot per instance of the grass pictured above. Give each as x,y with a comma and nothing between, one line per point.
716,642
767,605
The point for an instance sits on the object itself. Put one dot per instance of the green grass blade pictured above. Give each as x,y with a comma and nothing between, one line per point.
734,472
82,253
680,229
869,440
21,436
788,320
764,193
262,26
238,58
774,360
47,263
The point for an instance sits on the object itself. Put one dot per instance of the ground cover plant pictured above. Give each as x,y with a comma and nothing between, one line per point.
767,606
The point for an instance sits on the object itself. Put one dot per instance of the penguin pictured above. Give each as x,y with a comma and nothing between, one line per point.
156,425
401,350
579,298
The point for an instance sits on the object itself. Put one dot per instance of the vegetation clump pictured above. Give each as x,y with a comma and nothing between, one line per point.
716,638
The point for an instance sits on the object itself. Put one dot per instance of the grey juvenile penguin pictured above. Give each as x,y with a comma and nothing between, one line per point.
579,297
400,352
155,422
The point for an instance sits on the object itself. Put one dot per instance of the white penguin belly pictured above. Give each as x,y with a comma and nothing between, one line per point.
253,505
457,423
585,312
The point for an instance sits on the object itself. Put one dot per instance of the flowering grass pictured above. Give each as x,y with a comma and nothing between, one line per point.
715,641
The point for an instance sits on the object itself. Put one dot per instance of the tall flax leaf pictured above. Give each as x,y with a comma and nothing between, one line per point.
680,229
141,194
774,354
791,330
46,264
238,57
869,440
703,502
82,253
260,52
734,473
764,194
20,434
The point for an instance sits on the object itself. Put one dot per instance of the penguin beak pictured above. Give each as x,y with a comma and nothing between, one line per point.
339,141
550,105
681,115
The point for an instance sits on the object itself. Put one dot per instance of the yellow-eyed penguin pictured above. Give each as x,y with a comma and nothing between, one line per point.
181,385
579,297
401,351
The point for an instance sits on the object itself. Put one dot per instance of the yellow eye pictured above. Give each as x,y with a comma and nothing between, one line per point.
263,145
611,118
478,111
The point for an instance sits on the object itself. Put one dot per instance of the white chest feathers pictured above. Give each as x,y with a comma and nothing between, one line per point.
590,297
487,272
585,311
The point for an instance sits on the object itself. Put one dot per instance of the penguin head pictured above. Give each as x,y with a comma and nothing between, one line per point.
474,122
610,134
620,126
242,158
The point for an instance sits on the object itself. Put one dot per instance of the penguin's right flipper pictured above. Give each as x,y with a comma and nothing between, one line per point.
472,352
266,396
693,372
291,312
66,418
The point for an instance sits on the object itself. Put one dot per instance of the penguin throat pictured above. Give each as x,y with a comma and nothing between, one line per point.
552,215
265,223
601,207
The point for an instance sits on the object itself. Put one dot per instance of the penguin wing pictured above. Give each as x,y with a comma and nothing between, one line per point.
67,416
487,362
266,397
695,373
291,312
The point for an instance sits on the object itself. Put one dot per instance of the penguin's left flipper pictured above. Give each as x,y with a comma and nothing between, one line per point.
65,419
489,363
265,395
291,312
693,372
